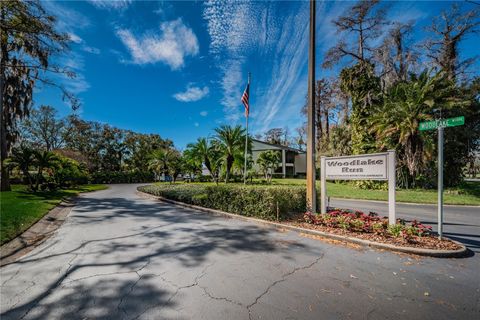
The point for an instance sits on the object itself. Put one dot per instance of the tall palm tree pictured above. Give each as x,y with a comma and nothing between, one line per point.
231,143
396,121
43,160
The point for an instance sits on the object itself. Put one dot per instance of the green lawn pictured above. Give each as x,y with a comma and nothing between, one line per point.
467,194
20,208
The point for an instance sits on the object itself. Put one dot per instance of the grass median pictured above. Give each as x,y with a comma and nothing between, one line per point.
466,194
20,208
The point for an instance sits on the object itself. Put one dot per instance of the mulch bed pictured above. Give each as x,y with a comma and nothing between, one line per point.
425,242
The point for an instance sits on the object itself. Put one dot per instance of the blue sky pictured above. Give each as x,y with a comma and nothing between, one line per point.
179,68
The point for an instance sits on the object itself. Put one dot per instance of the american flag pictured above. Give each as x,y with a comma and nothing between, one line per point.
245,97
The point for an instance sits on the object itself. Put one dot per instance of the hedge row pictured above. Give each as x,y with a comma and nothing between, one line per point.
251,201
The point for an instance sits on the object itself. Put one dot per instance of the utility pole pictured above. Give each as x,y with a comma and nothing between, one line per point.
311,194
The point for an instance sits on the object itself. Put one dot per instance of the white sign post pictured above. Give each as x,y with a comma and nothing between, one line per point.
375,166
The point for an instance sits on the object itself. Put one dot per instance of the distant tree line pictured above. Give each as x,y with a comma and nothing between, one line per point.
100,152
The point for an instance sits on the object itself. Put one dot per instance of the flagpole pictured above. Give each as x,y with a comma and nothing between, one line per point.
246,138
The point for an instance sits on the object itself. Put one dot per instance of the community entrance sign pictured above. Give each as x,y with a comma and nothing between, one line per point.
439,125
375,166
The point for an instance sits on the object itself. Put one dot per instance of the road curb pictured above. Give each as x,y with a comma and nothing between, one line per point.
36,234
417,251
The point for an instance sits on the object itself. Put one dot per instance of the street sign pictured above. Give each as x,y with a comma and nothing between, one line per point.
444,123
440,125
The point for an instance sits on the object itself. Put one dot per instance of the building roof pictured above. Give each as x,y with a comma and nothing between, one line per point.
275,147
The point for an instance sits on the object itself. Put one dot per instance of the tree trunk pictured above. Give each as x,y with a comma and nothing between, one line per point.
39,175
229,167
5,178
28,178
327,125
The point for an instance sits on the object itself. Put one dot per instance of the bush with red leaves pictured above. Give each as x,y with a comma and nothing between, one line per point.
357,221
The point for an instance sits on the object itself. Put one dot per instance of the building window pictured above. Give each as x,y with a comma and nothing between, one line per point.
289,157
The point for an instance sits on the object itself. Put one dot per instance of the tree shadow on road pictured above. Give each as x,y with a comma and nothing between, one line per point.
162,233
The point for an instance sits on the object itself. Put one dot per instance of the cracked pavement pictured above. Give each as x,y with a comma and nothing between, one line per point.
121,256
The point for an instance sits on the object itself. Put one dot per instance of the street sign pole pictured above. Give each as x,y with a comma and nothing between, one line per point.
440,182
440,124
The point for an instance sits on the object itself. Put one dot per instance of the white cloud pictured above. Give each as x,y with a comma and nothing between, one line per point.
203,113
111,4
171,45
74,62
231,82
68,19
240,30
75,38
196,124
83,46
289,81
192,94
91,50
232,27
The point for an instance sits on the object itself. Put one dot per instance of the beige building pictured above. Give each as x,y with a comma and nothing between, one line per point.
293,161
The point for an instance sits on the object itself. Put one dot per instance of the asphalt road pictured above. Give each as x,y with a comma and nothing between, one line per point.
120,256
461,223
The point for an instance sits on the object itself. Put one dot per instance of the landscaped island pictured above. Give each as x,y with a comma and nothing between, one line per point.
287,204
466,194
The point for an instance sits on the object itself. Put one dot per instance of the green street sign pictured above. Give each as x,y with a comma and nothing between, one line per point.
434,124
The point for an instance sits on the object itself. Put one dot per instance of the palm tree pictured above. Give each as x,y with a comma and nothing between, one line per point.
165,161
231,143
268,161
396,121
158,162
43,160
206,152
191,163
201,151
22,158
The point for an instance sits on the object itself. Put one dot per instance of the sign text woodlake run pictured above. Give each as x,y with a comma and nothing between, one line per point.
361,167
375,166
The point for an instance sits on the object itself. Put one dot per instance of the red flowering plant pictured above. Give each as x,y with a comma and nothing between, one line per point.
358,221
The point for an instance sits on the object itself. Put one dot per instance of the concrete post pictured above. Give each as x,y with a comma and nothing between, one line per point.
323,186
392,183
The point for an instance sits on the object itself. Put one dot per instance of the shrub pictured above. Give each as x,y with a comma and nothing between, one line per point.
251,201
68,173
